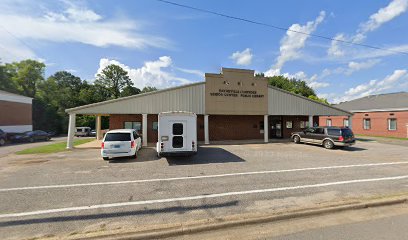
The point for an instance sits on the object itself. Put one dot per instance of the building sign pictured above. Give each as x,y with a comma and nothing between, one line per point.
236,93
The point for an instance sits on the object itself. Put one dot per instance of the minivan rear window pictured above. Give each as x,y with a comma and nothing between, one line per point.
111,137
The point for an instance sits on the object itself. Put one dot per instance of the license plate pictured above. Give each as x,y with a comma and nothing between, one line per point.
116,146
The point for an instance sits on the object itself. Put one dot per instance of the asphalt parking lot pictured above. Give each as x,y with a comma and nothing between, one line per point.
76,191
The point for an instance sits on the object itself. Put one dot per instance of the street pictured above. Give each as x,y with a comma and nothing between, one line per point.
76,191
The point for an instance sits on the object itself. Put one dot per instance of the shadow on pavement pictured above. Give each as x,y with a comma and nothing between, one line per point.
206,155
365,140
352,149
144,155
179,210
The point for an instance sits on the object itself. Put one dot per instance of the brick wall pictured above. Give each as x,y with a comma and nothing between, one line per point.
13,113
295,124
379,123
232,127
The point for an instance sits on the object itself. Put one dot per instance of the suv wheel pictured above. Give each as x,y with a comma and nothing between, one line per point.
296,139
328,144
2,141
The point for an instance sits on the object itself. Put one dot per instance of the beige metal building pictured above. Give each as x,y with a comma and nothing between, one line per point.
231,105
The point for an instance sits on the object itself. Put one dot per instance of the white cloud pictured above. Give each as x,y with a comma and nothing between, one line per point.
386,14
311,81
74,24
376,20
294,41
374,86
243,58
335,49
357,66
159,73
192,71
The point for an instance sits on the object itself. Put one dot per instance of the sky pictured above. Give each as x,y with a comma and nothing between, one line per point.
164,45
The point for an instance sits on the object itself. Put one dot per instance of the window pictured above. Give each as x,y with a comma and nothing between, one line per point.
328,122
334,132
319,131
261,125
367,123
392,124
177,129
155,126
303,124
133,125
113,137
289,124
345,122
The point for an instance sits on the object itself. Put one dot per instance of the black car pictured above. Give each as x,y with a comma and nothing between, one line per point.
326,136
3,137
31,136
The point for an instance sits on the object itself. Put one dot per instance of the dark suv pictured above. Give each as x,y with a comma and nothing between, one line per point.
326,136
3,137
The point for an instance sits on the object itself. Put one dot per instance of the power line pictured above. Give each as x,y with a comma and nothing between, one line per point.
278,27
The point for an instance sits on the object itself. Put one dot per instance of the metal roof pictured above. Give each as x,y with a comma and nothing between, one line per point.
188,98
381,102
12,97
191,98
281,102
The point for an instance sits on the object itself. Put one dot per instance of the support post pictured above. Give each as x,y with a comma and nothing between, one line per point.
144,130
206,132
266,133
350,122
98,127
311,121
71,130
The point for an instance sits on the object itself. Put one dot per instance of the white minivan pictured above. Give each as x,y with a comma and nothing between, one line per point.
120,143
177,134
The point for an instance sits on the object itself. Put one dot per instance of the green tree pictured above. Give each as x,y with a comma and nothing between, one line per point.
149,89
27,75
322,100
114,78
129,91
7,71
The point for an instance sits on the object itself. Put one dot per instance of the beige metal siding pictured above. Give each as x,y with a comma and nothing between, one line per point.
284,103
189,98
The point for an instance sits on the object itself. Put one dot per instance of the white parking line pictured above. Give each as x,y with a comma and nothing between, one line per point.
200,177
215,195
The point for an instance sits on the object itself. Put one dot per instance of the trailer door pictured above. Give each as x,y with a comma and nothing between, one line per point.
178,135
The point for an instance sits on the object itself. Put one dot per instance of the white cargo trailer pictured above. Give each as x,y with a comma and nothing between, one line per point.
177,134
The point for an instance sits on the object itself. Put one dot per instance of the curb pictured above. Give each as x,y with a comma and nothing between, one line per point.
225,223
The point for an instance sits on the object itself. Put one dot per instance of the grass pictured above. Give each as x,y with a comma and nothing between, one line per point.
53,148
396,138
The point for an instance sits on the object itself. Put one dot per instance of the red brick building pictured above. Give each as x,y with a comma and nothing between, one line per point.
231,105
375,115
15,112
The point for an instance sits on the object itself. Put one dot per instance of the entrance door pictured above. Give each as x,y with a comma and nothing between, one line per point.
275,128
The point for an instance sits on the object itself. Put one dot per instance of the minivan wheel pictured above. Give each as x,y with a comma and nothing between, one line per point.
2,142
296,139
328,144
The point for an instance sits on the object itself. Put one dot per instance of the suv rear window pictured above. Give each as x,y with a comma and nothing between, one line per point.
334,132
346,132
111,137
